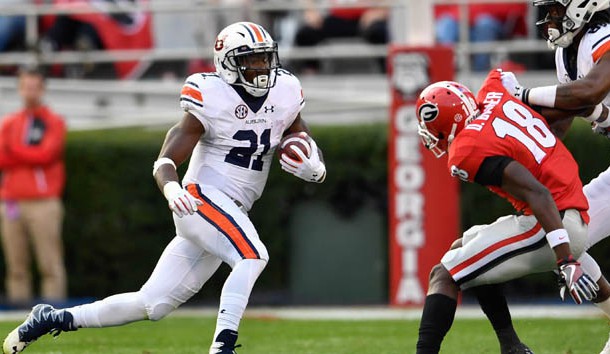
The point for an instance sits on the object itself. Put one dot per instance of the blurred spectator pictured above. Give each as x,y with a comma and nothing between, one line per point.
32,144
100,29
487,22
12,28
342,20
209,24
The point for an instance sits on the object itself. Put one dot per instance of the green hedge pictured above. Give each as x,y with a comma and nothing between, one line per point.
117,222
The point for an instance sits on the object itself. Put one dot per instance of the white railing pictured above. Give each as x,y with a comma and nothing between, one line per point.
254,10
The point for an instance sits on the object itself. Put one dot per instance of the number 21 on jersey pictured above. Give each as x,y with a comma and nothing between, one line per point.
528,130
242,156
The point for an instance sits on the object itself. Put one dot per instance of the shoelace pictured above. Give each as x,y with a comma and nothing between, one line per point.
55,332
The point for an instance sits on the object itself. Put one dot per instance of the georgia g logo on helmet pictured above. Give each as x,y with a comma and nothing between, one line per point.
428,112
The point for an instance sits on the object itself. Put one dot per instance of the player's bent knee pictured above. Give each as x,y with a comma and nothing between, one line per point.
439,278
256,265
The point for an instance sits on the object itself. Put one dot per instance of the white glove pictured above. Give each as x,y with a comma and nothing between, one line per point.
180,201
511,84
310,170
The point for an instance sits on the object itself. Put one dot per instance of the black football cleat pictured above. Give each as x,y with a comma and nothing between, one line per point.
225,343
42,319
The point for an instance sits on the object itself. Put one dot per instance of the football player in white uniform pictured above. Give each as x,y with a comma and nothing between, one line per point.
234,119
579,32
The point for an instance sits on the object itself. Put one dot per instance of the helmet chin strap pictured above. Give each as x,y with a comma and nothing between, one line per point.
452,134
259,86
557,39
261,81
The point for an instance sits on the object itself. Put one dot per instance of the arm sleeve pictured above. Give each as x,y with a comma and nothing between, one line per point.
491,170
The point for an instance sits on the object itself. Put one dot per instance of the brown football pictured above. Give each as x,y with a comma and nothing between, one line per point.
299,140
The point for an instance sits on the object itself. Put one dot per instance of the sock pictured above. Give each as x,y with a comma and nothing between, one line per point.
436,319
493,303
111,311
232,307
236,292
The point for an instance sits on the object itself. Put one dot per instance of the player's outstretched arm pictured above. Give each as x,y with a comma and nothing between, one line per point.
180,141
579,94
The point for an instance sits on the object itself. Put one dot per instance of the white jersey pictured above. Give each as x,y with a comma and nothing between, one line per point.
592,46
235,152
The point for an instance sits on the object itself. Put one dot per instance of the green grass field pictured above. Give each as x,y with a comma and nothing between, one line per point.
190,335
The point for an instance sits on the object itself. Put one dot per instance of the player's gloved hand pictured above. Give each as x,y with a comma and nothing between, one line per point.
511,84
572,279
310,169
180,201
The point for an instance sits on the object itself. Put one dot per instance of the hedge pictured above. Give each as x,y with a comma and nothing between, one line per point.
117,222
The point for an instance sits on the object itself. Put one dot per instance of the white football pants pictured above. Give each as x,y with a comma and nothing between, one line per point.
511,247
219,232
598,194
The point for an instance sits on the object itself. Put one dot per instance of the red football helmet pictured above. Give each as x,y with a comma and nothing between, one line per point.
443,109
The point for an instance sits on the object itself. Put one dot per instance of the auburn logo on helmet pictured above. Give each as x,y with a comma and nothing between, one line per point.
428,112
220,42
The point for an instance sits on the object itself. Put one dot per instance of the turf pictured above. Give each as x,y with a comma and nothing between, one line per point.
187,335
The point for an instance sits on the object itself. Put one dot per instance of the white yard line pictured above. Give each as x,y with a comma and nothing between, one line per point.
372,312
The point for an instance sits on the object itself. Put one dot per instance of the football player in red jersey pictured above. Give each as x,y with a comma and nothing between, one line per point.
497,141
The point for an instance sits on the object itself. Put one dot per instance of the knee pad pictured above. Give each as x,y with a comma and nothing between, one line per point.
159,311
157,308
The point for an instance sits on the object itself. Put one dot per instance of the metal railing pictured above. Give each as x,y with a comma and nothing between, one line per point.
464,48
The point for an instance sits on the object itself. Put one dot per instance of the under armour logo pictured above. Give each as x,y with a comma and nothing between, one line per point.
269,109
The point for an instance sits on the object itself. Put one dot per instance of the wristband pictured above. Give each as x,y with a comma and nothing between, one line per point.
162,161
541,96
603,119
557,237
567,260
597,111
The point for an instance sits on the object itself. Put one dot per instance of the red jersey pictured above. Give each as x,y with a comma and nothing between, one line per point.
507,127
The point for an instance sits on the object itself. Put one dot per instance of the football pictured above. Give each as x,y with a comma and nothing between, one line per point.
299,140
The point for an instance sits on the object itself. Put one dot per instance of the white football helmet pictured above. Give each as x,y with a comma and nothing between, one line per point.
235,48
577,14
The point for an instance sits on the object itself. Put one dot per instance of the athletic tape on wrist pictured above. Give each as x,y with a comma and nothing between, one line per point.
541,96
597,111
162,161
602,121
557,237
